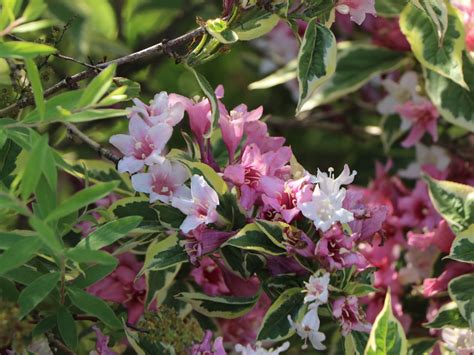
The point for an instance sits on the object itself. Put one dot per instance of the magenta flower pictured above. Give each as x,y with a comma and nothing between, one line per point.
422,116
257,133
346,310
143,146
252,167
201,241
433,286
297,242
336,250
232,126
357,9
210,277
208,347
101,344
160,110
282,196
198,203
120,287
162,182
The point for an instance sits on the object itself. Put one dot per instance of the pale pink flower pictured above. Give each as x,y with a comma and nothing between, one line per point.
317,289
357,9
162,182
210,277
442,237
257,349
467,11
143,146
101,344
232,126
348,312
398,93
198,203
421,116
208,347
160,110
308,328
257,133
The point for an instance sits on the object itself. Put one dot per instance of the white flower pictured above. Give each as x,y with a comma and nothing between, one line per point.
461,341
317,289
258,350
433,155
160,110
308,328
398,93
330,185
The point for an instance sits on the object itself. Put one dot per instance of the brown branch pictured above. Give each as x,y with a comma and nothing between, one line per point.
105,153
71,82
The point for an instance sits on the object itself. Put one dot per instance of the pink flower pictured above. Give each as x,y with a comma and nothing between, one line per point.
207,347
210,277
232,126
281,196
201,241
257,133
101,345
160,110
198,203
253,166
357,9
422,116
467,11
442,237
346,310
336,250
120,287
143,146
433,286
162,181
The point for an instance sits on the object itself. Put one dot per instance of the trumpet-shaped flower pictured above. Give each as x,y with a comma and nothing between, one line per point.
332,186
160,110
198,203
162,181
346,309
398,93
259,350
208,347
317,289
357,9
143,146
308,328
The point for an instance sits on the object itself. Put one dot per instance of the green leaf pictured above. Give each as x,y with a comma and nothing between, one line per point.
94,115
34,77
359,341
422,34
460,291
44,325
387,335
462,248
213,178
94,306
82,199
47,234
218,28
33,26
67,327
109,233
170,217
437,11
454,102
211,96
281,76
19,254
158,282
389,8
450,200
448,316
254,24
419,346
36,292
82,255
8,290
276,326
251,237
316,60
356,65
92,275
359,289
219,306
66,101
34,9
32,173
97,87
163,254
24,50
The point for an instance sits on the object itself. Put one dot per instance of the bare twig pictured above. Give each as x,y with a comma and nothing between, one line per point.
71,82
105,153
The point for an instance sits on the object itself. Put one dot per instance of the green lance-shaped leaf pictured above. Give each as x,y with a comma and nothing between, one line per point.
109,233
91,256
82,199
211,96
34,77
19,253
389,8
24,50
356,342
460,290
252,238
158,283
448,316
276,326
281,76
47,234
387,335
316,60
462,248
163,254
67,327
219,306
454,102
445,58
356,65
92,274
254,24
36,292
214,179
453,201
37,158
97,87
94,306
